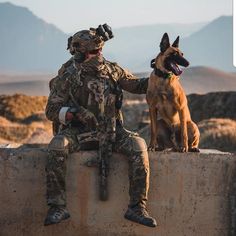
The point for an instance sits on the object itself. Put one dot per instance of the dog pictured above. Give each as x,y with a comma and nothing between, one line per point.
171,124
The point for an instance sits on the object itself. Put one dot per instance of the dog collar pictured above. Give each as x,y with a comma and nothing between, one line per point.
160,73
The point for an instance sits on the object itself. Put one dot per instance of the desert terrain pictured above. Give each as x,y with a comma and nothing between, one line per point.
22,119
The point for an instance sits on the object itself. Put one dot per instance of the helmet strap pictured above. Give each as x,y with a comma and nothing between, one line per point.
79,57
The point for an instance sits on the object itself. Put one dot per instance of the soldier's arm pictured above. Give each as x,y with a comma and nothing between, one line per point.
57,99
58,109
131,83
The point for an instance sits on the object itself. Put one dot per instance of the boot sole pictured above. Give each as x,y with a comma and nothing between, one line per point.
139,222
47,222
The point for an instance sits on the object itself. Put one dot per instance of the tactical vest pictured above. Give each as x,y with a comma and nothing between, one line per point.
97,92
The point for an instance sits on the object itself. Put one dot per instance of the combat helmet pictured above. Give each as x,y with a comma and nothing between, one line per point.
91,40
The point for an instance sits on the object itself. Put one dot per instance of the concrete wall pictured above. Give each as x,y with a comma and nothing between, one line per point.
189,195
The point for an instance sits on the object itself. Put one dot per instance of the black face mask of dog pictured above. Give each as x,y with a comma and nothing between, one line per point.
174,57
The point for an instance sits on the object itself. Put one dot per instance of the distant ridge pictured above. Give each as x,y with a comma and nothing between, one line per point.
134,47
28,43
212,45
199,80
205,79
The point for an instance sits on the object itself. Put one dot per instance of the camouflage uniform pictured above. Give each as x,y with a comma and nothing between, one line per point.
73,85
85,99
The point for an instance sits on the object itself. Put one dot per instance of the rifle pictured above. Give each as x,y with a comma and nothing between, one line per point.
104,155
106,135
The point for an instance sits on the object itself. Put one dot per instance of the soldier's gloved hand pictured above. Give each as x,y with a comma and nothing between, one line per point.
71,114
83,115
87,117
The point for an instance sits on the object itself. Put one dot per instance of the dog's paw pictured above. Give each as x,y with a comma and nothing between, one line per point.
156,148
159,149
151,148
194,149
174,149
182,149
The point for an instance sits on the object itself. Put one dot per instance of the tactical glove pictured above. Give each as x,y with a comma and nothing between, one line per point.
83,115
87,117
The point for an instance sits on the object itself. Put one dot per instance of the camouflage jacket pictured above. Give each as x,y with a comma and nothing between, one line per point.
78,83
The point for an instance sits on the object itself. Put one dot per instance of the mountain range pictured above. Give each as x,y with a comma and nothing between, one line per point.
29,44
212,45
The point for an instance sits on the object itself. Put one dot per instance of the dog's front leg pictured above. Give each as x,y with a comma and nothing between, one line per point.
153,118
184,131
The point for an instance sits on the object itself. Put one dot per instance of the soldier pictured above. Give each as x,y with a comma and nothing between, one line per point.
73,106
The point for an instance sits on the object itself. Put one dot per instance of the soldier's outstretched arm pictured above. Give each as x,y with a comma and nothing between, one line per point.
131,83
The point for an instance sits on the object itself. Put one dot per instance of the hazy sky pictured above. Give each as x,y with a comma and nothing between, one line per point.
72,15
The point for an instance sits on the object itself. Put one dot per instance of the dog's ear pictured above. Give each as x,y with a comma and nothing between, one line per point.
176,43
165,42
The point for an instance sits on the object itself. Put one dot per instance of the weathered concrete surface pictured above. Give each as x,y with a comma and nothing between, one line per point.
188,195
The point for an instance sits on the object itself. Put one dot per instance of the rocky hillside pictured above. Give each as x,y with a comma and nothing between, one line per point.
22,119
19,108
212,105
218,133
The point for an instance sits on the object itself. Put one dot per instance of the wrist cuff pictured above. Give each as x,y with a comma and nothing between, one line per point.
62,115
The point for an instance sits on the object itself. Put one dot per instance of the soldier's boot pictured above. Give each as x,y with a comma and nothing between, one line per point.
56,214
140,215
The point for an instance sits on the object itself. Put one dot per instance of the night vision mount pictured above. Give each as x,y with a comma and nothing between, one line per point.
105,32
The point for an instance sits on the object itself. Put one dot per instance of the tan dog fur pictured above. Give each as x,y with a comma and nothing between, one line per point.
167,100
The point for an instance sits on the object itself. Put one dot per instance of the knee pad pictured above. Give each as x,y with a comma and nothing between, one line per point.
58,143
138,144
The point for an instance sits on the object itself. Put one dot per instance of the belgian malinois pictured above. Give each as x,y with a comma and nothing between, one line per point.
171,124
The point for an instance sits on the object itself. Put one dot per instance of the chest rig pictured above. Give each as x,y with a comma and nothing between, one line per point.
101,95
99,92
102,92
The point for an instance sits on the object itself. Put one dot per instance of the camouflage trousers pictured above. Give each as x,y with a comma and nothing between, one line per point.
127,143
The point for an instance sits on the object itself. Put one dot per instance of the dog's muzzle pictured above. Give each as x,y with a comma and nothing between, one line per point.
172,64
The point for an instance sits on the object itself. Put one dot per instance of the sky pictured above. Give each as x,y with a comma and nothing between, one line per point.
73,15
